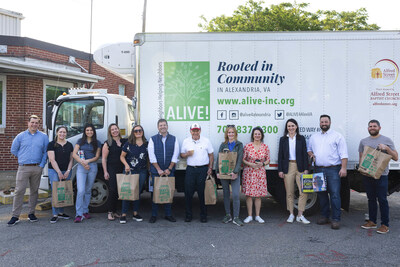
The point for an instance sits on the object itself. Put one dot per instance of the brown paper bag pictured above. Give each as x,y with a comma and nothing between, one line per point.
163,189
373,162
226,164
62,194
210,191
128,186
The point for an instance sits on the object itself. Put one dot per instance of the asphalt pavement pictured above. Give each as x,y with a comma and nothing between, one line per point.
99,242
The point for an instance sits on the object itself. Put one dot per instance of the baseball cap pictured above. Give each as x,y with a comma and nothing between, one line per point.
195,126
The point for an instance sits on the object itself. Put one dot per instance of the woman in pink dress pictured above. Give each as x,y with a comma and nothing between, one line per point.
254,184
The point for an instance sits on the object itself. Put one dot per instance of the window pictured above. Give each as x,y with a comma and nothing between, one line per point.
2,101
131,112
121,89
52,90
76,113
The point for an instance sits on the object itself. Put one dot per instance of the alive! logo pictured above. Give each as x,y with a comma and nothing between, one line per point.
187,91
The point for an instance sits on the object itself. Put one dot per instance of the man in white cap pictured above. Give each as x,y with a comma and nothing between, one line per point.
200,157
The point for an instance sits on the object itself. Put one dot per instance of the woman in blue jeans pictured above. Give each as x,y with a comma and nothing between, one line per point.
86,153
135,158
231,144
59,152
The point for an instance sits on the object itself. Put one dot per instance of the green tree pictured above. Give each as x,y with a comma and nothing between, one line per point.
287,17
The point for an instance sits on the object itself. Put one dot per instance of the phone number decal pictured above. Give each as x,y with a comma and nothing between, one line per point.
248,129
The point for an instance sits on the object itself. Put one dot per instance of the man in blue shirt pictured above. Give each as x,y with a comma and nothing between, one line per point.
30,148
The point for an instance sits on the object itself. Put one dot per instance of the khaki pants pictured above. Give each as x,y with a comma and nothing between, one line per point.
25,175
292,175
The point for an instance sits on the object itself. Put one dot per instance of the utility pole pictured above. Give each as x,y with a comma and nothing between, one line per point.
144,17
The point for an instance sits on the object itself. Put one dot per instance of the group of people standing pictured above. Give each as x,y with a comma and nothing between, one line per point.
159,154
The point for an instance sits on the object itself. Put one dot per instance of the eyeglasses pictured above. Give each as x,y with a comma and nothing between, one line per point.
230,125
138,131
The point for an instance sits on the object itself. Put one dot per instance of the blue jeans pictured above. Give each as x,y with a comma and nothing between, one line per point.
333,182
84,183
53,177
154,206
235,184
136,203
195,180
377,190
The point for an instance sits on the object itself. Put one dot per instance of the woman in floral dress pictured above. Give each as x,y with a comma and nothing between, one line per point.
254,184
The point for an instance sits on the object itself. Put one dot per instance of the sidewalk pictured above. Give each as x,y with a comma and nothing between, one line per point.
7,179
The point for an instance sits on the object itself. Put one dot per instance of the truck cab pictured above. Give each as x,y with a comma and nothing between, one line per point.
99,108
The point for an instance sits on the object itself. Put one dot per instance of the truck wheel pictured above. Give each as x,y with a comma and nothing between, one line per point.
312,204
98,202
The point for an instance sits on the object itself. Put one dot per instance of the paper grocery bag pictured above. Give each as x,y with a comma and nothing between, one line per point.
210,191
226,164
373,162
163,189
128,186
62,194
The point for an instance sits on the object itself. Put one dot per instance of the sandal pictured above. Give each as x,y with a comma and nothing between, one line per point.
116,215
111,216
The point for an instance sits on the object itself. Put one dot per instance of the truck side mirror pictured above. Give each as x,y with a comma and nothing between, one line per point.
49,114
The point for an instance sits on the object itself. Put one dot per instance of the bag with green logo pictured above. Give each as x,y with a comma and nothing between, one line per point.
210,191
226,164
128,186
373,162
62,194
163,189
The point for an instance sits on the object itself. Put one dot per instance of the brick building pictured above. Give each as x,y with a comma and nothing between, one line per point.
33,72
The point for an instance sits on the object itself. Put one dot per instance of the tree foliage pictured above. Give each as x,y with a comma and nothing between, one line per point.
287,17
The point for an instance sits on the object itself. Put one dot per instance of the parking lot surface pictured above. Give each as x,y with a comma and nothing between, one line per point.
99,242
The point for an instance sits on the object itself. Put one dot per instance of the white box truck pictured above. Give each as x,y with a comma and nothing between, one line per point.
249,80
263,79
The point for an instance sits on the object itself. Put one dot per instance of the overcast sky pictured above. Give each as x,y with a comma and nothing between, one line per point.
67,22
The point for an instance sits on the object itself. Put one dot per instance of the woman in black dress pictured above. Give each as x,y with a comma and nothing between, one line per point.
112,165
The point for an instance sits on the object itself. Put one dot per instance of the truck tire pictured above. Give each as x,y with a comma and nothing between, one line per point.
312,203
100,193
276,188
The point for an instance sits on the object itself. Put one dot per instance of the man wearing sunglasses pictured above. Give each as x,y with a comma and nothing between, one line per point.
200,158
163,154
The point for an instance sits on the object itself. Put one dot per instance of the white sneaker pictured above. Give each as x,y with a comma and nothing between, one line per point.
290,219
302,219
248,219
258,219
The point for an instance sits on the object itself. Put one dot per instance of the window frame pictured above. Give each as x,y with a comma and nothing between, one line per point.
56,84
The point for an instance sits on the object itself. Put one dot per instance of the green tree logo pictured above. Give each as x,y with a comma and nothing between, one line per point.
187,91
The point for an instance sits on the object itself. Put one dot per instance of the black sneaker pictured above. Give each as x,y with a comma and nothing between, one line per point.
170,218
122,219
137,217
63,216
13,221
153,219
32,218
54,219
